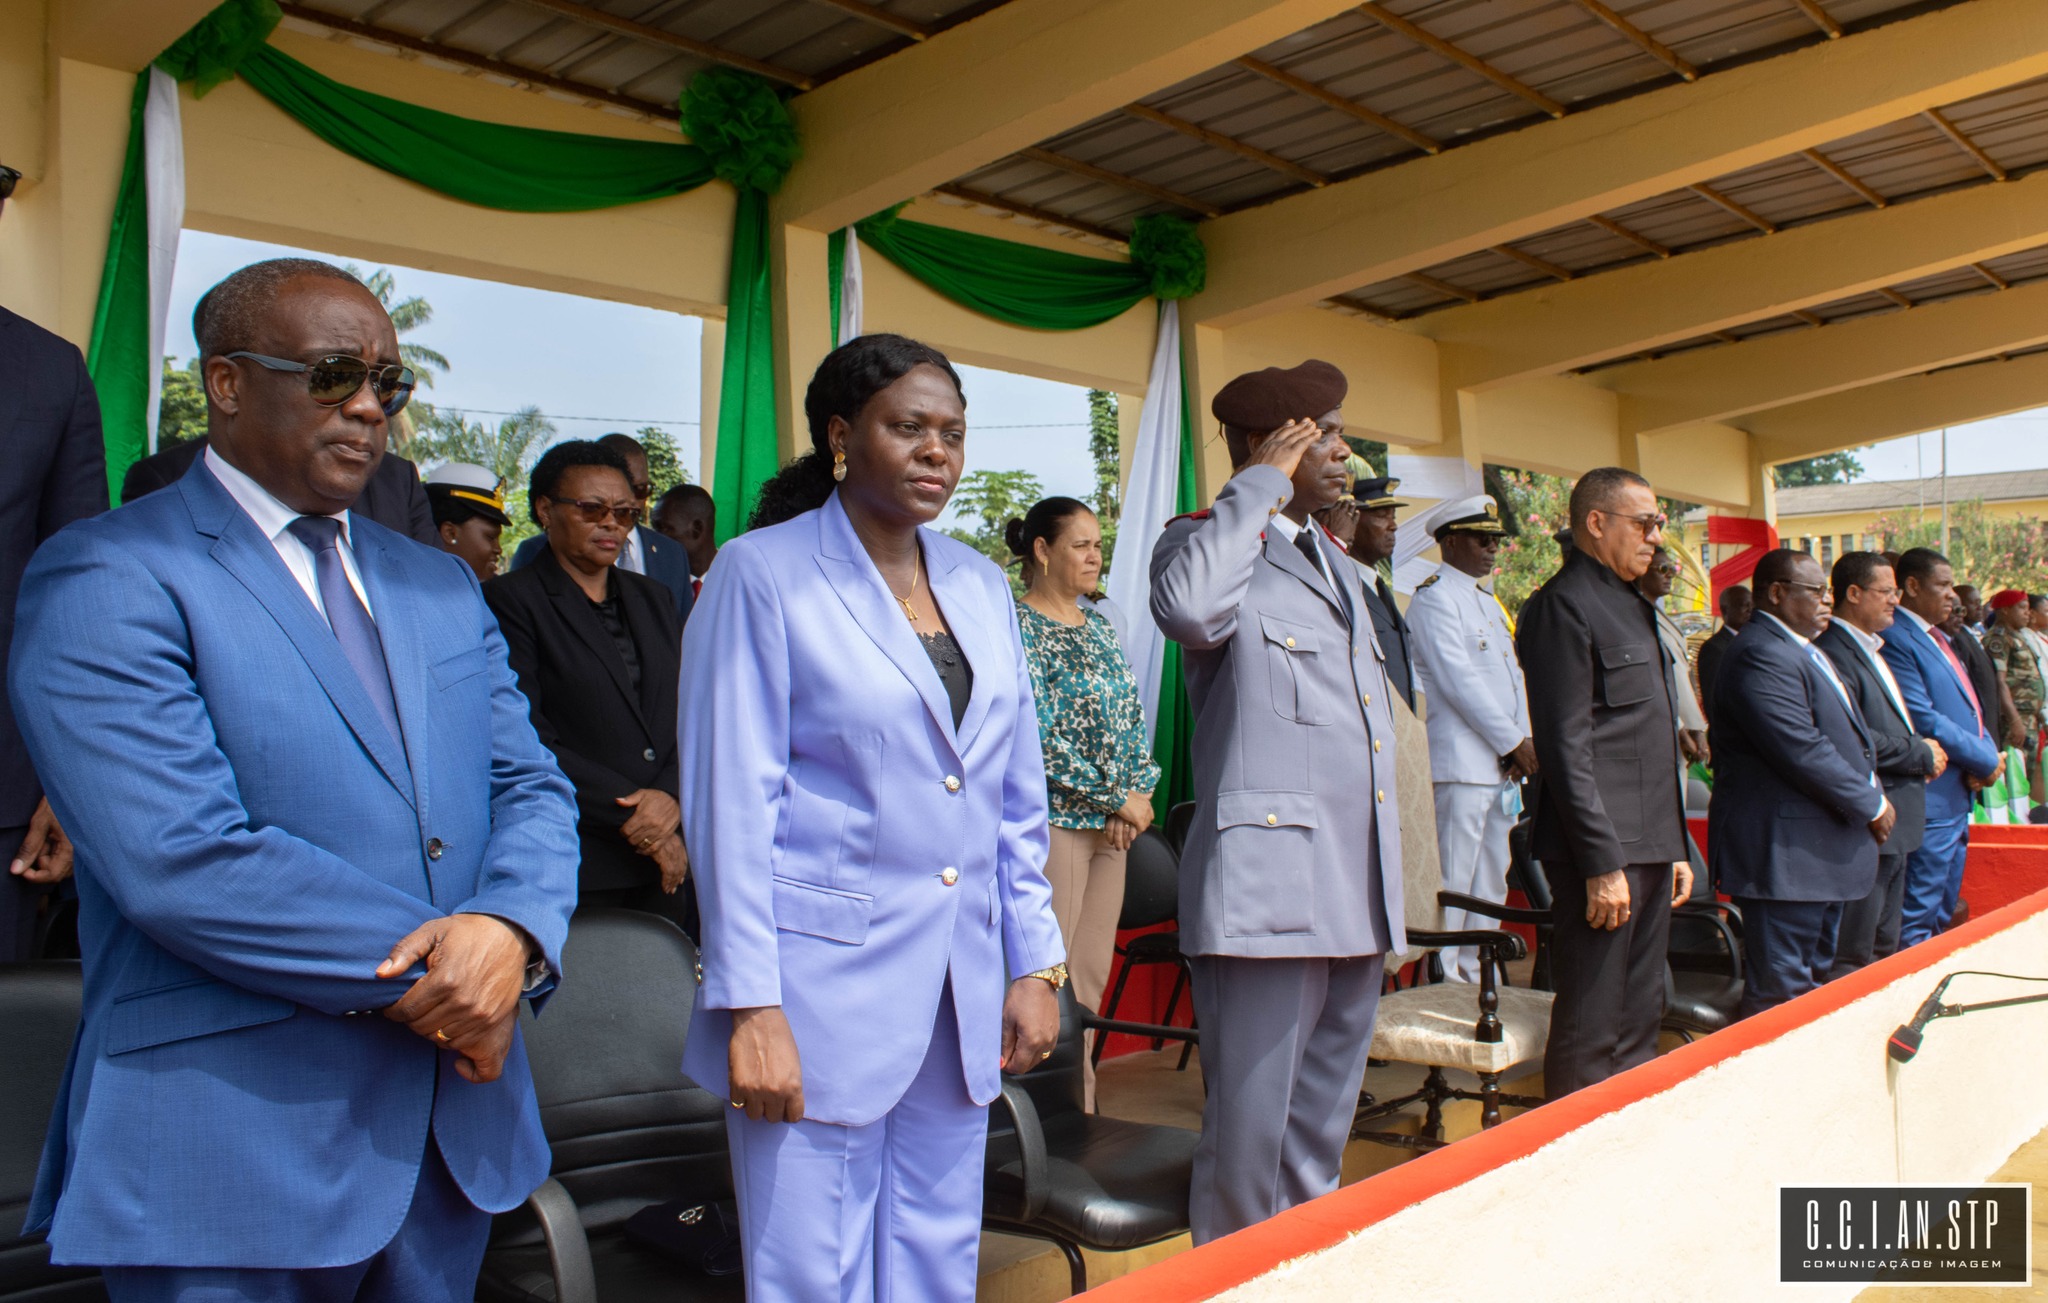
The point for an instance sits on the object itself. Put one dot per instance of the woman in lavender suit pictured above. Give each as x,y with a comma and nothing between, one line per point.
864,802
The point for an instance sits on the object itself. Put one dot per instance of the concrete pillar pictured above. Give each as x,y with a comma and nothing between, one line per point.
803,325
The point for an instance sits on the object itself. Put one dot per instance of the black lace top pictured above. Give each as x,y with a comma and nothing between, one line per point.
954,671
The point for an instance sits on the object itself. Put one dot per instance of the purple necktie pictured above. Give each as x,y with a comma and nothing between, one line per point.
347,616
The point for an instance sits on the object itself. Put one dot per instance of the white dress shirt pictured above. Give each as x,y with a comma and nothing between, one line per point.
273,520
630,556
1873,651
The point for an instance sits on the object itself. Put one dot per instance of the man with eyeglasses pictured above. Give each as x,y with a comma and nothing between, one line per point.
322,857
1866,599
644,551
1608,823
1945,704
1798,813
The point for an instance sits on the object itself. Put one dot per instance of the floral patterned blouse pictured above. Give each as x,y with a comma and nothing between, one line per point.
1090,722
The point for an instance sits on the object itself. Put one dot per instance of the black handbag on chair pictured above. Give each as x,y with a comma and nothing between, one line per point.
705,1236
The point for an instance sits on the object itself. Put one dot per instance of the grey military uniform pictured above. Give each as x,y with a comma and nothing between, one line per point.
1290,888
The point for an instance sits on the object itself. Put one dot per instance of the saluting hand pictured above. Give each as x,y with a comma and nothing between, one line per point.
1286,446
1341,519
764,1075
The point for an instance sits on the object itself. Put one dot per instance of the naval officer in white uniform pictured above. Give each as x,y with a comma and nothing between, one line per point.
1479,747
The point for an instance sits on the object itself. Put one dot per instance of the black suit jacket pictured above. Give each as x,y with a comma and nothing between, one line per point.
1903,758
393,497
1984,678
609,739
1712,651
53,470
1604,726
1392,628
1793,789
667,564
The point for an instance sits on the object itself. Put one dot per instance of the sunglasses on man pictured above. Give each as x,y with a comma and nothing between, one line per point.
333,380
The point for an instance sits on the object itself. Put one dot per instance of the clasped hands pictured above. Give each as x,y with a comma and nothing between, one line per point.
468,1001
655,830
44,856
1123,827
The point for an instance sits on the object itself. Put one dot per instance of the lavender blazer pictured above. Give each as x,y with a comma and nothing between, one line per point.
828,799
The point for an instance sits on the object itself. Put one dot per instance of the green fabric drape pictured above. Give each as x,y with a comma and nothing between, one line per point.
748,450
835,276
1022,284
218,44
118,355
520,169
1173,739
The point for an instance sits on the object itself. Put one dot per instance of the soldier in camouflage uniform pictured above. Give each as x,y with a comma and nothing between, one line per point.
2022,674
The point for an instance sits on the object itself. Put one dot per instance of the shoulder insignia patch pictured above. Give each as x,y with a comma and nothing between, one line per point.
1427,582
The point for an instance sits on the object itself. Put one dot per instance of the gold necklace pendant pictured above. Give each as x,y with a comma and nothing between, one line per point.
916,562
904,602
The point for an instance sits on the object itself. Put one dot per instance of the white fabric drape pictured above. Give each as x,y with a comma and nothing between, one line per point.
850,289
1447,479
1150,500
163,173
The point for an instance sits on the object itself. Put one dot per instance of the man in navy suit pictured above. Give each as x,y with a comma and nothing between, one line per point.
1798,812
53,470
303,786
1945,705
646,552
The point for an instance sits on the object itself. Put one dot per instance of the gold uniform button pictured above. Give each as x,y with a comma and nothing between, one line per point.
952,783
949,875
1380,795
1375,746
1290,642
1272,819
1368,698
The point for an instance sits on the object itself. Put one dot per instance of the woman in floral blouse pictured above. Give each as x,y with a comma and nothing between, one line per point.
1099,772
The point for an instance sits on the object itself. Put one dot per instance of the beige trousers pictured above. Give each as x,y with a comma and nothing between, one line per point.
1088,897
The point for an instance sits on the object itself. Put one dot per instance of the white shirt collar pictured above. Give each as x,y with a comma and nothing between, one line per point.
1914,616
1786,627
1870,642
1286,527
271,516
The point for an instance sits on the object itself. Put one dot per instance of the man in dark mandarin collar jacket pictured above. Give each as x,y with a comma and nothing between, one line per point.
1608,825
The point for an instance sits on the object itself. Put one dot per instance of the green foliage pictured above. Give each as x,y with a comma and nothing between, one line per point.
1104,446
991,499
509,450
1988,550
407,315
1540,505
1829,468
181,412
664,465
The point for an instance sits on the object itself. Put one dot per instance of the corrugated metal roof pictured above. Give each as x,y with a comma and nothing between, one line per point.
1890,495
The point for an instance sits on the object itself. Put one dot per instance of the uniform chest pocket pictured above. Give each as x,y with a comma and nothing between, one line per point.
1291,661
1628,673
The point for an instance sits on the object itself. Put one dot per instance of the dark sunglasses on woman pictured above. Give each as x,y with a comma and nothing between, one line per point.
334,379
593,512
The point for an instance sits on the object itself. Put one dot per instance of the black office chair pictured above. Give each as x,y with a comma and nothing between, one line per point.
1178,820
39,1006
1151,897
627,1128
1079,1179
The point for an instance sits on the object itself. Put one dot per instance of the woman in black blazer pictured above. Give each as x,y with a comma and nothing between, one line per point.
597,650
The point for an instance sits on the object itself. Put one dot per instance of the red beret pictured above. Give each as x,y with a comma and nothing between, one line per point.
1263,401
2006,597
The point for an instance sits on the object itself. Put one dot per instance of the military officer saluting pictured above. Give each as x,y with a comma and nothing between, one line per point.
1290,884
1371,543
1479,747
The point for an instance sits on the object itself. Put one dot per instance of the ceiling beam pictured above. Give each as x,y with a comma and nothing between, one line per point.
1722,201
902,126
1637,238
1315,245
1228,144
120,33
877,16
1026,210
1967,145
1617,313
647,34
1130,183
1430,41
481,63
1845,176
1325,96
1649,44
1721,384
1819,17
1898,408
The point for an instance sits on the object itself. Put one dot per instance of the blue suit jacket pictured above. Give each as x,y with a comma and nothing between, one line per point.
1941,710
826,796
667,564
1793,768
251,843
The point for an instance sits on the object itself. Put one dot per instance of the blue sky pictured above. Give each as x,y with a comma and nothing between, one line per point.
594,366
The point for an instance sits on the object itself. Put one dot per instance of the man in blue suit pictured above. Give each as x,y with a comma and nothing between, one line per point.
303,786
647,552
1944,706
1798,812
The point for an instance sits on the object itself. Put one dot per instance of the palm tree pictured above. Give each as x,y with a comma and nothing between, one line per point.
407,315
509,450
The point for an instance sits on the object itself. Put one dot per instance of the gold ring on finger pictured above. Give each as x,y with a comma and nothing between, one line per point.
441,1037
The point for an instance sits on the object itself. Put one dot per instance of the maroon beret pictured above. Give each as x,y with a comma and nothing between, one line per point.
1262,401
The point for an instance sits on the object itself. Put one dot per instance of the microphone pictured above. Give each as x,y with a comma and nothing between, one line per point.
1905,1041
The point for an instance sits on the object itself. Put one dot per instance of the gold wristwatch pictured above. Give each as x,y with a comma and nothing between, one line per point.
1055,977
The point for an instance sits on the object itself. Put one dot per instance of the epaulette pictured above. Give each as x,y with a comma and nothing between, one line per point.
1203,514
1427,582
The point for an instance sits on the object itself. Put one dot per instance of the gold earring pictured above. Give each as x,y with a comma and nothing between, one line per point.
839,466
